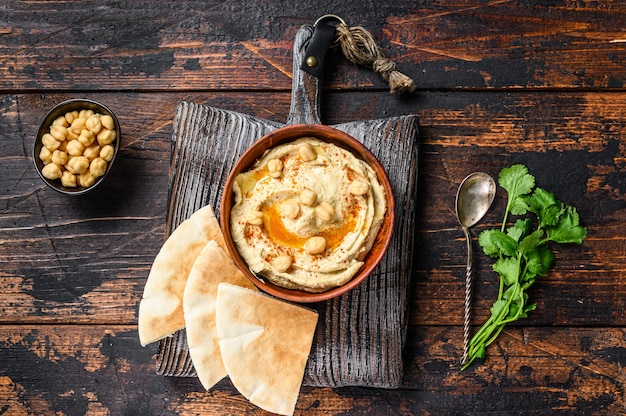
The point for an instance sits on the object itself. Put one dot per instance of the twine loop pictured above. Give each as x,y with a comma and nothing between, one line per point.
359,47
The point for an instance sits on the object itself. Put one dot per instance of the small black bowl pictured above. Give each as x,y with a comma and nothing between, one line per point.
60,110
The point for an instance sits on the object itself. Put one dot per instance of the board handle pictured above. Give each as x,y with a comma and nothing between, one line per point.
306,89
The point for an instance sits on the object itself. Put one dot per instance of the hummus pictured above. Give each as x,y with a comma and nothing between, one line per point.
306,214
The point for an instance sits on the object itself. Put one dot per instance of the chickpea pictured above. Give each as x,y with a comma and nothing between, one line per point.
107,122
94,124
86,179
63,146
86,138
325,211
308,197
107,152
51,171
254,217
45,155
50,142
59,132
92,151
282,263
78,125
315,245
307,230
275,168
290,209
61,121
359,187
59,157
68,179
85,114
105,137
75,148
307,152
70,116
77,165
97,167
72,135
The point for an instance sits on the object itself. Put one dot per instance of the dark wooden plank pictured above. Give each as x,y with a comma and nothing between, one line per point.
124,45
55,270
105,371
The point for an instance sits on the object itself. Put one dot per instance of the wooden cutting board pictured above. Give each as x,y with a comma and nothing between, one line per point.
361,335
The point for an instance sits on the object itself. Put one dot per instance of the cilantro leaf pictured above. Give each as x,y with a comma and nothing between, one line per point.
539,260
488,246
508,268
568,229
517,305
550,215
539,200
520,229
506,244
530,307
530,242
517,182
481,352
520,309
497,307
518,206
528,279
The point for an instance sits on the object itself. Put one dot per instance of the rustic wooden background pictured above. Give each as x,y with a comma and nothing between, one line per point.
534,82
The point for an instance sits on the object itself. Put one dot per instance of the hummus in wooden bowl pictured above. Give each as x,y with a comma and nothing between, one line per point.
307,213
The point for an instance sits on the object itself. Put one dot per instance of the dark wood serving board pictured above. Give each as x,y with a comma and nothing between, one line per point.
360,336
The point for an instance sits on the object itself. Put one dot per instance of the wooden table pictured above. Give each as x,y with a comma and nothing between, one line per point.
498,83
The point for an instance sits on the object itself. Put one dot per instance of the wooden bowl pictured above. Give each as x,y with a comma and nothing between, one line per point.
338,138
60,110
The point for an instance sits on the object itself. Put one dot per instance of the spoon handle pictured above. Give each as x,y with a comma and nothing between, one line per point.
468,296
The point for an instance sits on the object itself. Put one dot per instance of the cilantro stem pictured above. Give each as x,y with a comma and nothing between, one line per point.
501,289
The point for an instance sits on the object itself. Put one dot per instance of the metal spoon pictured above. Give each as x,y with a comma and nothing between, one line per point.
473,199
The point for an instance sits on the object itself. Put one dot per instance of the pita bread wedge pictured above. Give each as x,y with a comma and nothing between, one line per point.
161,308
265,344
212,266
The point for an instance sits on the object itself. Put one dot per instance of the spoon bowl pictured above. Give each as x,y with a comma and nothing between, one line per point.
473,199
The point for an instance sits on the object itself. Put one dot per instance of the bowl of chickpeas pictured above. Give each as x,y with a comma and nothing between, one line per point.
76,146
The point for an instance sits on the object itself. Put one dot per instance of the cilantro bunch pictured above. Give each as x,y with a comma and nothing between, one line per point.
522,250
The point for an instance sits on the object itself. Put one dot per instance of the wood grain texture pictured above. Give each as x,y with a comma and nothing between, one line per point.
582,162
534,82
111,45
540,370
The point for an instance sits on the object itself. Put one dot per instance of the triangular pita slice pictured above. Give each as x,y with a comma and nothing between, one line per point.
265,344
161,309
212,266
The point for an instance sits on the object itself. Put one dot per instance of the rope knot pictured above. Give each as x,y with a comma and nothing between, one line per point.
359,47
383,67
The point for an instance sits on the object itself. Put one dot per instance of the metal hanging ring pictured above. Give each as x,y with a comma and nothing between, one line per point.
330,17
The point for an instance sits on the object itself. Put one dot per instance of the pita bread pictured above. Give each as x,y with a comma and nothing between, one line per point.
161,308
212,266
265,344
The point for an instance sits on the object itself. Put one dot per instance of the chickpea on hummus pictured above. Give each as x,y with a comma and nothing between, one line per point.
306,214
